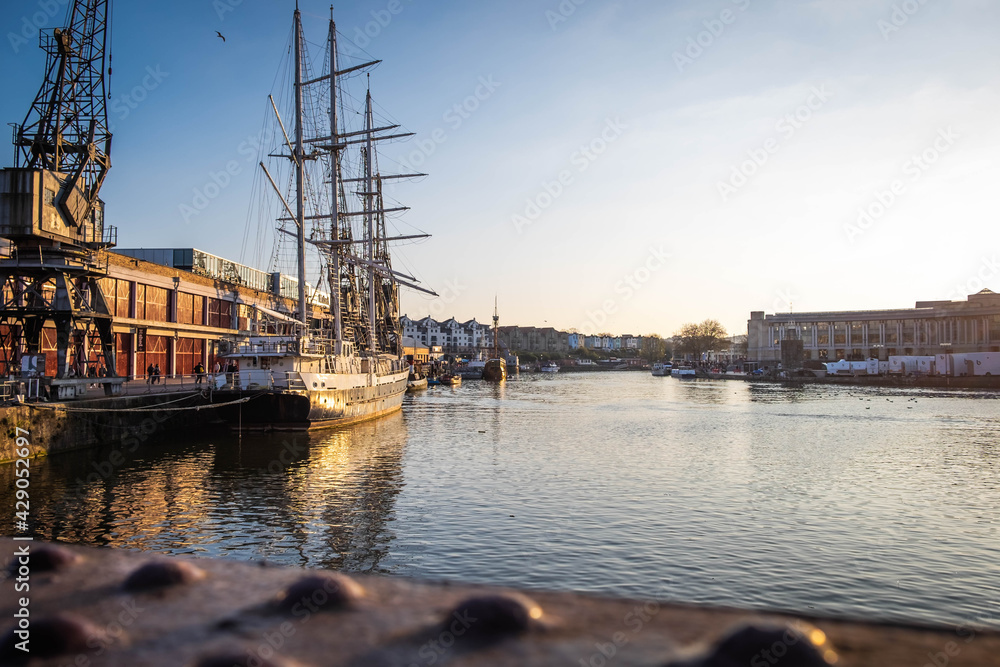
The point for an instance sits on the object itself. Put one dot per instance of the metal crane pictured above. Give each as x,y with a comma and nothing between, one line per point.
51,214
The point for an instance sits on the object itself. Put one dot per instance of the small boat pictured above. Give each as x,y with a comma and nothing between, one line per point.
495,369
551,367
451,380
526,368
684,373
661,370
416,384
473,370
433,382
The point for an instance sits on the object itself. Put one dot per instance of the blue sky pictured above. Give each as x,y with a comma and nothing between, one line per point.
623,166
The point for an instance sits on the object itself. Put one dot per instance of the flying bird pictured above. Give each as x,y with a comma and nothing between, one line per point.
221,36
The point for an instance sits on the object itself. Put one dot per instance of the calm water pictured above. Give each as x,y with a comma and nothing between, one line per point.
872,503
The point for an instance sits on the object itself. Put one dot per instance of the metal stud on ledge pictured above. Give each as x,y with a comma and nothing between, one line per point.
243,659
495,616
46,558
320,592
797,644
53,636
159,574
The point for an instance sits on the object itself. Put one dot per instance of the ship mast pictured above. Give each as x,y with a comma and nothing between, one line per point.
370,221
496,330
299,159
338,334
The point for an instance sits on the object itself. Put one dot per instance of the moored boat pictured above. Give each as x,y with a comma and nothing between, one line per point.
684,373
451,380
300,371
551,367
495,369
661,370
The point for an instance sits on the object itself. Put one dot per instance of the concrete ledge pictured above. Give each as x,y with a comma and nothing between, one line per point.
92,607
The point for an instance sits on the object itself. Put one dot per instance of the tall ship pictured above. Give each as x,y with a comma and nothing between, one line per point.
326,366
495,369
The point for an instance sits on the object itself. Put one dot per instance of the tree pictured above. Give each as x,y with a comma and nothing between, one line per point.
697,339
653,348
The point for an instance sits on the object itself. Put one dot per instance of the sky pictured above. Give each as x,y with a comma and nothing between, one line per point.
606,166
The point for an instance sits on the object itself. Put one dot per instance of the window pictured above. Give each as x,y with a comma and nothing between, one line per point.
909,332
857,333
874,333
219,313
189,308
152,303
840,334
806,333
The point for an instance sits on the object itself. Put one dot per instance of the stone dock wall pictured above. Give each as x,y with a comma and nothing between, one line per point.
120,421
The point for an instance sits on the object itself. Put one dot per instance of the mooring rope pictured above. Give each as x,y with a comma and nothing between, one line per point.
154,408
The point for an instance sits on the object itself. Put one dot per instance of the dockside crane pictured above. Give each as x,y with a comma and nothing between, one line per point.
51,214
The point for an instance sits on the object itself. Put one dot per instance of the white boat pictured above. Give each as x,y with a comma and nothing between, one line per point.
550,367
684,373
661,370
298,371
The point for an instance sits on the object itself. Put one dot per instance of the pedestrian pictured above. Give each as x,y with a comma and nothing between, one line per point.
199,370
149,373
156,374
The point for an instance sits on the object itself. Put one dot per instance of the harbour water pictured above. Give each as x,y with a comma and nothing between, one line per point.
870,503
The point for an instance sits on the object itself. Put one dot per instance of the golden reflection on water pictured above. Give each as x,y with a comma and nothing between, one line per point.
260,496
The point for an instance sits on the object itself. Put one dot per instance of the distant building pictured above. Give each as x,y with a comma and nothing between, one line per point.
452,336
535,340
929,328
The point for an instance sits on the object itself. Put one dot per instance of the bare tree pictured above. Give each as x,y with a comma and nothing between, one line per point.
697,339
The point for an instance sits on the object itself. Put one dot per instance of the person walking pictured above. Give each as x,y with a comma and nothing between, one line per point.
156,374
199,371
149,374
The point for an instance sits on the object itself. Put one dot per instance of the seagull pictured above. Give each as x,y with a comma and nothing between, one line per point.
220,35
